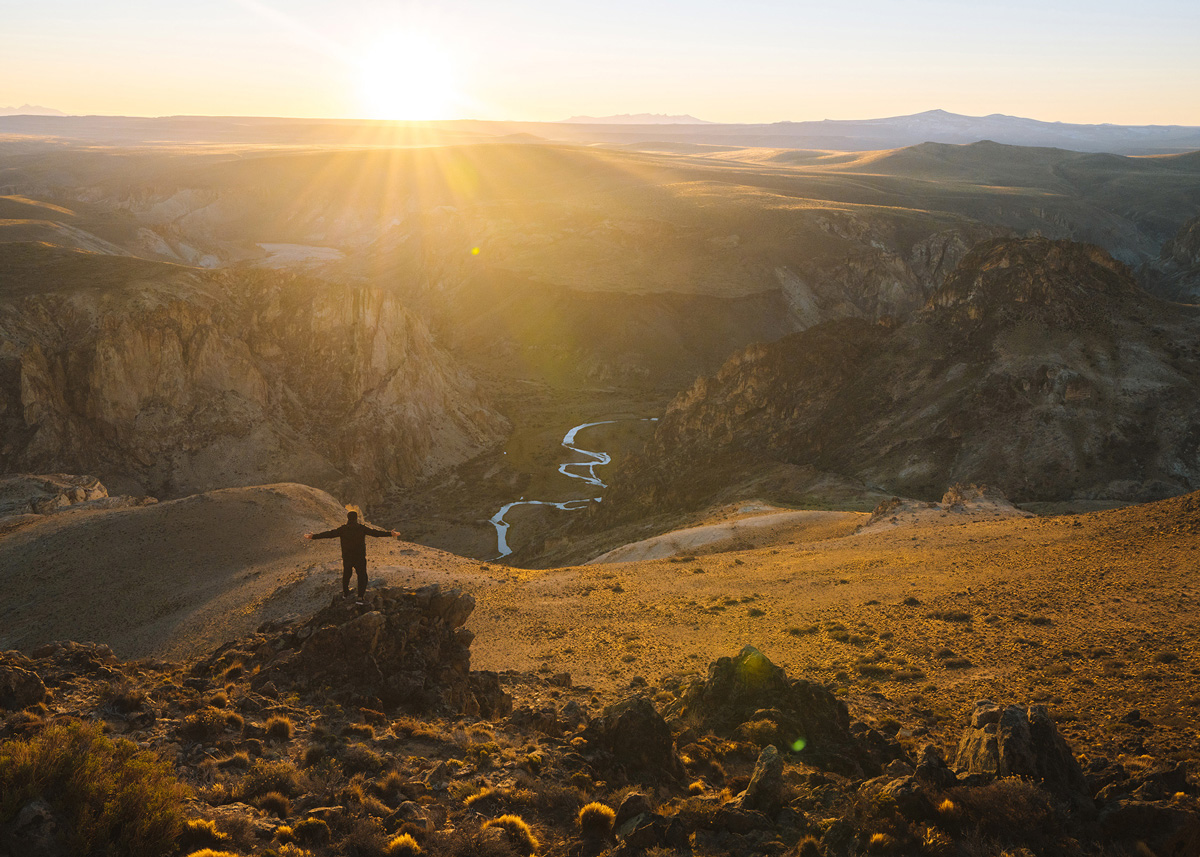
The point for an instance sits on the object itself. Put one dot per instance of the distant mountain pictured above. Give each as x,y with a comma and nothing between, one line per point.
894,132
638,119
30,110
847,135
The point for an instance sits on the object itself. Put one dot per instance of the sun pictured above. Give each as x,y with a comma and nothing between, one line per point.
408,76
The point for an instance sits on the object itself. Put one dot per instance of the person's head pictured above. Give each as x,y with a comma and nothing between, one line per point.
352,516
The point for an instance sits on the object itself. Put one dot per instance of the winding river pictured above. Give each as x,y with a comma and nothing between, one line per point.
585,470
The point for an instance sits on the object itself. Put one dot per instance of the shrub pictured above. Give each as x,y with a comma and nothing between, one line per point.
311,831
950,615
275,803
403,846
279,729
881,842
596,821
519,834
361,759
198,833
265,776
208,852
314,754
809,846
237,760
358,730
205,724
486,799
1010,809
114,797
123,697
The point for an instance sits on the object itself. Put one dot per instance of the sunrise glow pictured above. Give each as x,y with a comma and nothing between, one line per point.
408,76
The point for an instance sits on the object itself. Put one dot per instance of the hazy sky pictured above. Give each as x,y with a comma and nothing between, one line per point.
743,61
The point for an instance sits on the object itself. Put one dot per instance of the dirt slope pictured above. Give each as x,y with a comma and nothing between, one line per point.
176,579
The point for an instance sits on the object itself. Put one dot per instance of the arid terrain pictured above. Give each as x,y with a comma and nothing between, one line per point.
908,616
752,500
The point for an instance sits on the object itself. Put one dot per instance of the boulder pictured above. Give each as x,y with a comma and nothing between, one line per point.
1019,741
20,687
631,807
36,831
750,695
765,791
1163,829
632,735
932,769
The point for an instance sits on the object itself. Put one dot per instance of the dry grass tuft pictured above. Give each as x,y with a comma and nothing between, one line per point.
279,728
403,846
519,834
239,761
596,821
311,831
275,803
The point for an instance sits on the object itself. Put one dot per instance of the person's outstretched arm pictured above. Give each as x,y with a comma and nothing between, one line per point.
328,534
375,531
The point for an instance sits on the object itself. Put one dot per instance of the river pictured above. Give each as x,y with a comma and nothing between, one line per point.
586,472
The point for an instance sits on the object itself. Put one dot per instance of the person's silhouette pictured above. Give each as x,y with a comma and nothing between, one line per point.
353,536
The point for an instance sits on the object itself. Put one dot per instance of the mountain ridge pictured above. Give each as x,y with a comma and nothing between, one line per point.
1039,366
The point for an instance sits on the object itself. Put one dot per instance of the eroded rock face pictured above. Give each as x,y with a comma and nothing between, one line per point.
198,381
1038,367
1019,741
748,695
634,737
1176,273
407,650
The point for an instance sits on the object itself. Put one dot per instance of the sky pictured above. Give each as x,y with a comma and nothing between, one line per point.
537,60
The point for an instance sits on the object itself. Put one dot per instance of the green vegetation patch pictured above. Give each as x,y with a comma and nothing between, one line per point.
114,799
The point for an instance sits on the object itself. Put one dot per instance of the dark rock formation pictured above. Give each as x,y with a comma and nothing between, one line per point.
1039,367
632,736
749,689
1175,274
20,686
407,651
765,791
1019,741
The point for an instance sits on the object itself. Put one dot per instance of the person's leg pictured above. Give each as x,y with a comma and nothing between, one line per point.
346,566
362,578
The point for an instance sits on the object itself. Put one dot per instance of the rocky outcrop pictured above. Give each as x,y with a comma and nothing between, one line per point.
20,686
189,381
749,697
407,650
634,738
1019,741
1039,367
25,498
1175,274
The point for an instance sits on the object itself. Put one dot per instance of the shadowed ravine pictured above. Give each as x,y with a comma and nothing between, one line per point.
588,475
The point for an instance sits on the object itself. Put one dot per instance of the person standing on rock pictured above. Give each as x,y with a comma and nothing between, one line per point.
353,536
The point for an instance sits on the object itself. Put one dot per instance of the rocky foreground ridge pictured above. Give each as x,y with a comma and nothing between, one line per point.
167,381
364,732
1038,367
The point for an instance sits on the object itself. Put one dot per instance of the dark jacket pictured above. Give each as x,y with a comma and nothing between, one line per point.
354,538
